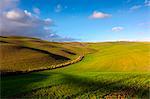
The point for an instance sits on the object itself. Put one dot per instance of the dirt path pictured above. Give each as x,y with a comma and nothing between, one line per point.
119,95
115,96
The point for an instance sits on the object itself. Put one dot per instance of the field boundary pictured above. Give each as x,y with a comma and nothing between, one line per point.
79,58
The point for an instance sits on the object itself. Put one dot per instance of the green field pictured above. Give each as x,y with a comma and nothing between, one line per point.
108,69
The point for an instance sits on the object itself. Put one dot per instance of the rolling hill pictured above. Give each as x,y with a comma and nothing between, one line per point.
26,54
109,69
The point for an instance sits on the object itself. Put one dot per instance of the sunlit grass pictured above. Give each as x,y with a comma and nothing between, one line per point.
120,68
25,54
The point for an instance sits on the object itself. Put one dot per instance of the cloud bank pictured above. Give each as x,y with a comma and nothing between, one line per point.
15,21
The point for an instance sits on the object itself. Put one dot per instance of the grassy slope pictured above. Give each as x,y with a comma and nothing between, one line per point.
116,56
21,53
92,77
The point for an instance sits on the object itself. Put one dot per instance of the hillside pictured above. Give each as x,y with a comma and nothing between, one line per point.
117,57
25,54
109,69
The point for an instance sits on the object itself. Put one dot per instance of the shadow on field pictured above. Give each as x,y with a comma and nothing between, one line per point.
12,85
55,56
90,86
20,85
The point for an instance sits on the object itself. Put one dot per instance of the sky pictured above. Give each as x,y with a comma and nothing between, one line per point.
77,20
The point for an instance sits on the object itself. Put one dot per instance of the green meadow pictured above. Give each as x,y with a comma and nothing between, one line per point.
108,69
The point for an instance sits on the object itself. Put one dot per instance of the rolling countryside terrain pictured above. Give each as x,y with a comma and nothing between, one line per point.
108,69
27,54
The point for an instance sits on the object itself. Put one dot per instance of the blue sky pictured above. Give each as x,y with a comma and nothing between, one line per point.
94,20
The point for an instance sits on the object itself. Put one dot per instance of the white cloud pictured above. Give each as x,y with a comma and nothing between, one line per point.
135,7
99,15
36,10
46,28
48,20
15,21
58,8
23,23
147,3
27,13
117,29
14,14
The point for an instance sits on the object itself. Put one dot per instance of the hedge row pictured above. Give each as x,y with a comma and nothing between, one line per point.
44,68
